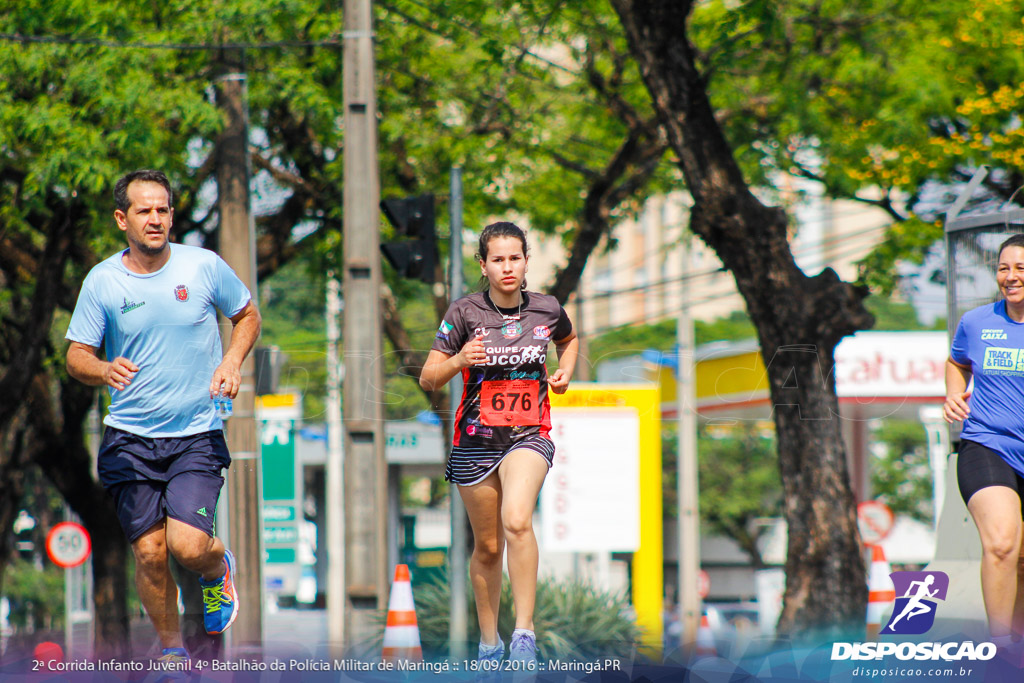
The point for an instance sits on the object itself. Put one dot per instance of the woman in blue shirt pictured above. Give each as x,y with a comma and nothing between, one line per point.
989,347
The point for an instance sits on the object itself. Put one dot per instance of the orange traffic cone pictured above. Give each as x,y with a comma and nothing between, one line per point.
881,592
402,634
705,639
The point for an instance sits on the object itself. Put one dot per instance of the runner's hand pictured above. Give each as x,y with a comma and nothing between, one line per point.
473,353
227,379
955,409
558,381
119,373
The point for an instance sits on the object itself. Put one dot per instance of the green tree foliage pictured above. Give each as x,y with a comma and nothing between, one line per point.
739,481
898,316
893,104
36,596
901,476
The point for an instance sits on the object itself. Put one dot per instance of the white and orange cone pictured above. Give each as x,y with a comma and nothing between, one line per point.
881,592
402,633
705,639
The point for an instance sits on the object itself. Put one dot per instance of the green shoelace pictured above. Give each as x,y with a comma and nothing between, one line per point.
214,596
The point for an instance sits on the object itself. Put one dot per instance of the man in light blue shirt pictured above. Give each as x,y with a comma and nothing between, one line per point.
153,307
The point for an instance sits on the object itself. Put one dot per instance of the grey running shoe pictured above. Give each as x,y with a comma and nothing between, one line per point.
489,661
523,646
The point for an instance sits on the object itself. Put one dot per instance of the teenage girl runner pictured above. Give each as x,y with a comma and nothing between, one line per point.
498,339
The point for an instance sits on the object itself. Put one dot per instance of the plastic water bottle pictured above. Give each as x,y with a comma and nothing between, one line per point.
222,404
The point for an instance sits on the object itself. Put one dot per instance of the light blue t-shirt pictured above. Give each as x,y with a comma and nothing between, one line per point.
992,345
166,323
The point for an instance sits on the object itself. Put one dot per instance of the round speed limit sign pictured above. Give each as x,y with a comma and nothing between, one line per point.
68,544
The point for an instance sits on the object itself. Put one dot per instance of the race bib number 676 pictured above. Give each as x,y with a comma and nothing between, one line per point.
510,403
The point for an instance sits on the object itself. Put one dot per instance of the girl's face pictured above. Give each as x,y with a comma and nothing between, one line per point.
1010,275
505,264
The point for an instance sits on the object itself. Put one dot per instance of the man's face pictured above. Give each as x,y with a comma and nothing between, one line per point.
147,223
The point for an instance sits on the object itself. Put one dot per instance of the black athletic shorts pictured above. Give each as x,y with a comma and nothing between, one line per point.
978,467
153,478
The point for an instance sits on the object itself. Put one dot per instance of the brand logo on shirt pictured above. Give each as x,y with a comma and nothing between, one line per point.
1003,360
482,432
481,332
511,329
181,293
542,332
443,330
515,356
520,374
992,334
129,306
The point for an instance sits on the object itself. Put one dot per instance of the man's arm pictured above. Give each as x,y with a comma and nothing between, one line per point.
83,364
227,378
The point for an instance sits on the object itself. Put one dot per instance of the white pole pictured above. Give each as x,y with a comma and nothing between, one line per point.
335,477
687,489
938,451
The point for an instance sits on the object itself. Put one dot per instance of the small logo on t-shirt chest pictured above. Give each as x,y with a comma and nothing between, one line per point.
181,293
511,329
991,334
129,306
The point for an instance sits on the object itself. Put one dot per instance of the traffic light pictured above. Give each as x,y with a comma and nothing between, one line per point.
268,360
412,217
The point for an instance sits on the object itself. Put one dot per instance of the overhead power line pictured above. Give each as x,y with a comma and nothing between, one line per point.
334,41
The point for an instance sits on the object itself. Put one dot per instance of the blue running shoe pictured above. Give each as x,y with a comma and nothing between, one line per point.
173,664
173,657
220,600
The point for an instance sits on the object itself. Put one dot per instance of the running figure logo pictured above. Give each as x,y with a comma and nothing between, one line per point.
914,612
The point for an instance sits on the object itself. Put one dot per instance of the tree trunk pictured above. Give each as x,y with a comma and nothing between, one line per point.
799,321
61,451
12,484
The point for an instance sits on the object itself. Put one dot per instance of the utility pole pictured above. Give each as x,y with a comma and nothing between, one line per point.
686,466
335,474
238,248
583,364
457,561
365,473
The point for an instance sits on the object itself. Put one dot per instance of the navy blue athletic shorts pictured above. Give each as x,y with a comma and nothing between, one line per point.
153,478
978,467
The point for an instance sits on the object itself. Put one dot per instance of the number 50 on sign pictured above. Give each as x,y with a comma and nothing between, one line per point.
68,544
